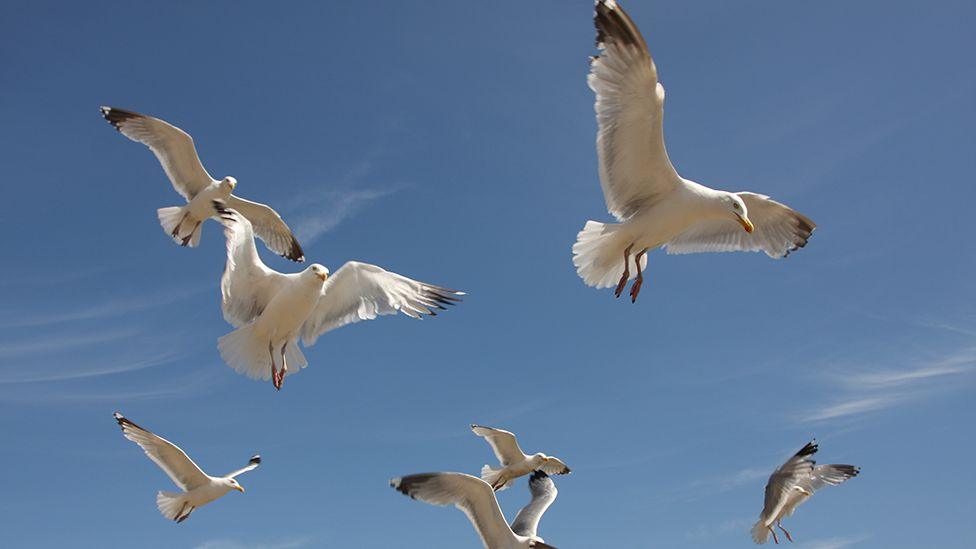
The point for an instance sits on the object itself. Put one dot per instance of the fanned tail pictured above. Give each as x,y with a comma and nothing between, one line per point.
599,254
172,221
760,532
246,351
173,505
491,476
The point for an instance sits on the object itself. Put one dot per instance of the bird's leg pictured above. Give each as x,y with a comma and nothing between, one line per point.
626,275
186,239
635,289
176,229
775,539
284,366
788,536
274,369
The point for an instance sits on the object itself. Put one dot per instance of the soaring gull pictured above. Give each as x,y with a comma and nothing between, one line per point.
271,310
515,463
792,484
655,206
544,492
198,487
473,496
175,150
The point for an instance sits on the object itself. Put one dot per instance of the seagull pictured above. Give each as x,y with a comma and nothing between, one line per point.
544,492
515,463
654,205
175,150
473,496
198,487
792,484
271,310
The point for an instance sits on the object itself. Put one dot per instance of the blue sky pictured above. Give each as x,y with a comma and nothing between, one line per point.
453,141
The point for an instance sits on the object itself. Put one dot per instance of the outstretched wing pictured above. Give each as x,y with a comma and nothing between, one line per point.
555,466
247,284
269,227
469,494
544,492
252,464
503,443
360,291
173,461
828,475
778,231
784,479
635,171
172,146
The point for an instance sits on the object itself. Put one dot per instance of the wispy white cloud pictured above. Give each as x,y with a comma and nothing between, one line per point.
712,485
105,309
193,384
35,374
233,544
703,532
55,343
832,543
324,211
874,389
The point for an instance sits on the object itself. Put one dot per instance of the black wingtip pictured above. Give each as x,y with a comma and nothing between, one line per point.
537,476
295,252
256,459
811,448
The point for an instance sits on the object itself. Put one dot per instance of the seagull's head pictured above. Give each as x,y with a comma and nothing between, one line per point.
318,271
234,485
228,183
539,458
738,208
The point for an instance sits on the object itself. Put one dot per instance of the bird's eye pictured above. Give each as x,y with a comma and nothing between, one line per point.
735,205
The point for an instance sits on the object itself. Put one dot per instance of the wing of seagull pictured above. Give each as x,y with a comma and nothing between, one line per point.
503,443
173,461
269,227
251,465
544,492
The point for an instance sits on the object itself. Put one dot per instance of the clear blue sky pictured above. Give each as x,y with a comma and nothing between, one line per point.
453,141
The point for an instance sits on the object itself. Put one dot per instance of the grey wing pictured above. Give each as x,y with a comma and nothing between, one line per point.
544,492
168,456
469,494
269,227
786,477
503,443
635,171
778,231
829,475
172,146
251,465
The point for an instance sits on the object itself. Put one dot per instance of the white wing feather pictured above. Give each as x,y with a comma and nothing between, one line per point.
360,291
778,231
170,458
635,171
503,443
172,146
269,227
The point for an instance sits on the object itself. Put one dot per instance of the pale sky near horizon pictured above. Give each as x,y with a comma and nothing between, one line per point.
453,142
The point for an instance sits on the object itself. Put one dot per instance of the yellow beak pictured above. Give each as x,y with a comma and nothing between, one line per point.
239,488
746,224
324,276
233,185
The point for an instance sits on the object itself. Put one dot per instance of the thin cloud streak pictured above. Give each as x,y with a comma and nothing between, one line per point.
35,376
106,309
191,385
323,213
52,344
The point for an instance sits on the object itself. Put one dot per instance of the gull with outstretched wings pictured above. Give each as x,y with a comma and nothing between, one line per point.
514,462
654,206
175,150
272,310
792,484
544,492
198,487
475,498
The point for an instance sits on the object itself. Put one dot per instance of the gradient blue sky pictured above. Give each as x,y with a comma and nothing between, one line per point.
453,141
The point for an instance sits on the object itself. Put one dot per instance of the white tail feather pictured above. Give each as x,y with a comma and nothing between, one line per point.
170,504
246,351
171,219
760,532
599,254
491,476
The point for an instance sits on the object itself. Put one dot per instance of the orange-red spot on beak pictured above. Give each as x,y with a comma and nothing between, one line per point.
746,224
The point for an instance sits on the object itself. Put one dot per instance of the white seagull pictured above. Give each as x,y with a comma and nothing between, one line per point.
792,484
198,487
515,463
271,310
175,150
654,205
473,496
544,492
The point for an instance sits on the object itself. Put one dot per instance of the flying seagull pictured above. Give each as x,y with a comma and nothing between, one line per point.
544,492
175,150
515,463
198,487
473,496
792,484
654,205
271,310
